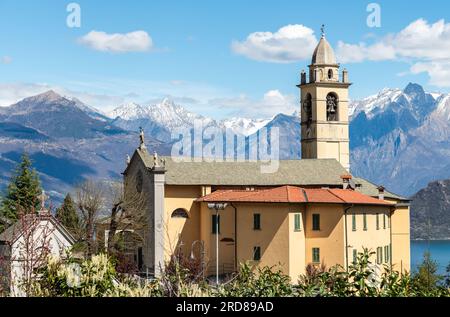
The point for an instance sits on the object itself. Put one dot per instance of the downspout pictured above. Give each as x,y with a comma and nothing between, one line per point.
235,237
346,235
390,236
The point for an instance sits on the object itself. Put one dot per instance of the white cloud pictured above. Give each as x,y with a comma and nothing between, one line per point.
290,43
271,103
197,97
11,93
6,59
354,53
137,41
425,45
439,72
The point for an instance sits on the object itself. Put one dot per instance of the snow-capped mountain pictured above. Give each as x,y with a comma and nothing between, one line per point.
163,118
403,143
56,116
399,138
166,113
375,103
244,126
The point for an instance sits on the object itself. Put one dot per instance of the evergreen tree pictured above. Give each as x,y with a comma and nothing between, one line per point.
427,278
22,192
67,215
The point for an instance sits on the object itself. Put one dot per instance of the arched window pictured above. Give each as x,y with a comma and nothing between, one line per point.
307,107
180,213
330,74
332,107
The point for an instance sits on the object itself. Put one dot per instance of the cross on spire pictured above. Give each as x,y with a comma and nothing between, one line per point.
322,29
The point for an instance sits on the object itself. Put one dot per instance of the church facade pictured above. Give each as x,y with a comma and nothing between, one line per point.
310,211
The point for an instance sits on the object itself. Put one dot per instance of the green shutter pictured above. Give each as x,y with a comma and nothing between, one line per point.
365,221
297,222
378,221
355,256
384,221
256,221
353,222
316,222
316,255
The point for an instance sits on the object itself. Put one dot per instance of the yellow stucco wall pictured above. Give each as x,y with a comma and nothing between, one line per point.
401,249
330,238
297,244
273,238
280,244
181,232
371,238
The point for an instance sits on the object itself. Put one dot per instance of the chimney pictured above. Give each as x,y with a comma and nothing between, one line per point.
346,180
380,192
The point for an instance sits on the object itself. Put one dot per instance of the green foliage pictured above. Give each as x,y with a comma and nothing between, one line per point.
67,215
97,277
22,191
426,281
265,282
447,277
91,278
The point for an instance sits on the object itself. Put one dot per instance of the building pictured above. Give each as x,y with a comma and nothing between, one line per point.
25,246
309,211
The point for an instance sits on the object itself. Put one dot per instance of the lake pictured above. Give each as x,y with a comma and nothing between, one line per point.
439,250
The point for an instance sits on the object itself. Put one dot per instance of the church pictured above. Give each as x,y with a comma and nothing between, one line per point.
309,212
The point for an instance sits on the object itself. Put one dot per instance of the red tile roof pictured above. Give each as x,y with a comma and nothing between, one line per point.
293,194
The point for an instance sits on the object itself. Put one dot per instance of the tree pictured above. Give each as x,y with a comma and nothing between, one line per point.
447,277
128,213
67,215
89,200
22,191
426,277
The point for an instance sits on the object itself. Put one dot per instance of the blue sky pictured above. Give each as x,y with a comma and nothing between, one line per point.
190,56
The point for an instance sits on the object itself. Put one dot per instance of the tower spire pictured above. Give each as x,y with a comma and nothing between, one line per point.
322,30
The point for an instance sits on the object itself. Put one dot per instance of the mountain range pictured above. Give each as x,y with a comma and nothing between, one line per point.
399,137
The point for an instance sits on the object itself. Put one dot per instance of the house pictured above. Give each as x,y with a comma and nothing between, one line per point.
308,211
25,246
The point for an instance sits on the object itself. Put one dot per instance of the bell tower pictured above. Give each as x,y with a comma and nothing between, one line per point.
324,107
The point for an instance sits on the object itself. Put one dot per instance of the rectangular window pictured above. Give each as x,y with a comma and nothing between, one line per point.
389,221
256,253
353,222
215,220
297,222
316,255
379,255
378,221
256,221
316,222
387,253
384,221
365,222
355,256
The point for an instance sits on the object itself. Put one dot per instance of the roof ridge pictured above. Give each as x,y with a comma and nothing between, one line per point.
330,191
